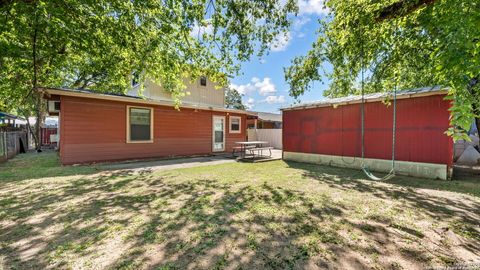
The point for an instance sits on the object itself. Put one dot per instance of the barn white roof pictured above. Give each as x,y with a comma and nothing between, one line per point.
408,93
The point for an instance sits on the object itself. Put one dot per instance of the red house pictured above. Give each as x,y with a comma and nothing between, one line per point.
96,127
329,132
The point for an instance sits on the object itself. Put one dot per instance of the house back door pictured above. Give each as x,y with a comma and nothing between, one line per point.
218,134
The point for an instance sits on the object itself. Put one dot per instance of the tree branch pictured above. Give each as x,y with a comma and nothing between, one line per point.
402,8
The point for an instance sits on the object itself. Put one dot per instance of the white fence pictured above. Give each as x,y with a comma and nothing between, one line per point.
272,136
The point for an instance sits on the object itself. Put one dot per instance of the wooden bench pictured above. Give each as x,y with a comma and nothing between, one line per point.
260,150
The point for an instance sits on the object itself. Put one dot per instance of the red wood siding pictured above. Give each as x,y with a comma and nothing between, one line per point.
421,123
95,130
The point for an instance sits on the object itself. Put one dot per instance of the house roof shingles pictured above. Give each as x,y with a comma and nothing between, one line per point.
4,115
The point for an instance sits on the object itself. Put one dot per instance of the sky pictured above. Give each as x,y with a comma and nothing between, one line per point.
262,82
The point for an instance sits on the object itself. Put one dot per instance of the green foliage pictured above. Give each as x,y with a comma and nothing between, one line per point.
408,43
98,44
233,99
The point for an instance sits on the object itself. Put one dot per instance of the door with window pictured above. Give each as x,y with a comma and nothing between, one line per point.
218,133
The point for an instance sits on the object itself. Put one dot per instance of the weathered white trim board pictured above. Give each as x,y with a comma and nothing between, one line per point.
416,169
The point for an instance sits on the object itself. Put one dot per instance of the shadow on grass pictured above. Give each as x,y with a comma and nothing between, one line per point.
345,176
348,179
465,212
130,220
200,224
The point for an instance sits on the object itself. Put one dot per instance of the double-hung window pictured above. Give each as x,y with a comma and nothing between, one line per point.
203,80
139,124
235,124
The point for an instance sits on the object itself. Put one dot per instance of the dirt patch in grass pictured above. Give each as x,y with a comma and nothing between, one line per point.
249,216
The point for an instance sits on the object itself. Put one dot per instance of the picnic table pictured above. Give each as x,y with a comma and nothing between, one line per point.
252,147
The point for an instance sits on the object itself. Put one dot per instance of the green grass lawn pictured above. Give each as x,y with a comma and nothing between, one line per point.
273,215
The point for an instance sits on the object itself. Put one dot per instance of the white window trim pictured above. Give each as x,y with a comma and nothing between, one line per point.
213,133
239,124
128,124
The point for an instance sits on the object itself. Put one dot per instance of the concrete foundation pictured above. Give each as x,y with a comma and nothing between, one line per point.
416,169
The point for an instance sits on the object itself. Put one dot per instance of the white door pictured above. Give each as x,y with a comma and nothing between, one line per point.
218,133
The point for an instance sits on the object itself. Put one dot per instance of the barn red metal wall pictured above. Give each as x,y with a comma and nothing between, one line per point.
421,123
93,130
46,132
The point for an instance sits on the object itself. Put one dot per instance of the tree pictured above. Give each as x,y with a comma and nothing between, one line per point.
98,44
233,99
411,43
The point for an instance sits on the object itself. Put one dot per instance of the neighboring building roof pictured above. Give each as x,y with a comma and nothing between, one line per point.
133,99
417,92
4,115
272,117
51,122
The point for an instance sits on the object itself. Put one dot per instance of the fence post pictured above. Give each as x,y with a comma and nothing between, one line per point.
2,144
5,150
17,149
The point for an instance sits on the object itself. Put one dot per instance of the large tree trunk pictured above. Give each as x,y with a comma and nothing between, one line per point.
31,129
38,124
37,96
473,88
477,122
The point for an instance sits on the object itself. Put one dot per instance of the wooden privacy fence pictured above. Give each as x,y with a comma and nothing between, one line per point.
272,136
12,143
3,147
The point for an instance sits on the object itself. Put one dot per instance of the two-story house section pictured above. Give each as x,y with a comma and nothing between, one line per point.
96,127
201,92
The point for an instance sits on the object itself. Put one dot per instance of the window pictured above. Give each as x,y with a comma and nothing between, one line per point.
139,124
135,79
235,124
203,81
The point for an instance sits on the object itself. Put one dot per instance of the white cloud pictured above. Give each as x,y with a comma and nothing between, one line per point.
275,99
250,103
262,61
263,86
301,21
312,7
281,42
243,89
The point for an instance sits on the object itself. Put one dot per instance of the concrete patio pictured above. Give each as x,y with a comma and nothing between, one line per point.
177,163
276,155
